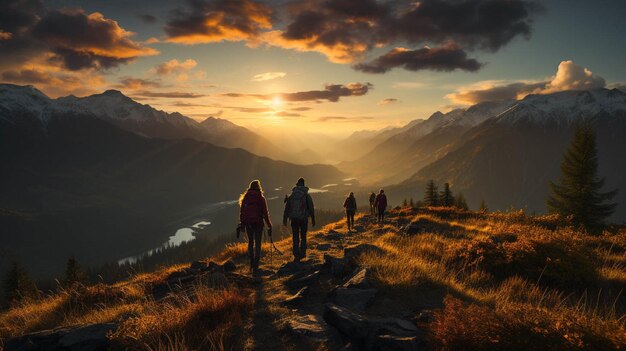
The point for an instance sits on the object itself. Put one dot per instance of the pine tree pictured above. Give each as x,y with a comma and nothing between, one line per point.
431,196
460,202
483,206
73,273
17,284
412,203
578,193
405,203
446,198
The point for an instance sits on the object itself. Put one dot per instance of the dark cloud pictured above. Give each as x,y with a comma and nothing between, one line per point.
445,58
147,18
137,83
171,94
79,40
206,21
331,92
388,101
344,30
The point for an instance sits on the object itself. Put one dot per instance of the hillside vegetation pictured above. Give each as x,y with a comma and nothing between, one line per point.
462,281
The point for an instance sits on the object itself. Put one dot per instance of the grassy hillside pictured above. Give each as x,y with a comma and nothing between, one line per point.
466,280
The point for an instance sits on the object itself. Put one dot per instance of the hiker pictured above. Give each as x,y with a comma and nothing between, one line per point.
381,205
298,208
372,200
252,213
350,206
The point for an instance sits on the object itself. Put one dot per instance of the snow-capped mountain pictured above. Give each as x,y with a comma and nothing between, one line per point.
566,107
509,159
26,102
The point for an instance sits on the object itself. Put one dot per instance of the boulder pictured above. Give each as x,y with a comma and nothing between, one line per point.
338,267
299,280
394,326
323,247
356,299
90,337
352,252
396,343
359,280
352,325
309,327
293,267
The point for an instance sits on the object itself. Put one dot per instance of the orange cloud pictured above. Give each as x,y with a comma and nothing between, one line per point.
175,66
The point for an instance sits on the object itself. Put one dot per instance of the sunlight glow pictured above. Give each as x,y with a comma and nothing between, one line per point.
277,102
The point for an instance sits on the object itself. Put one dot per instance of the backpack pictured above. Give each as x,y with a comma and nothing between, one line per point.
251,209
297,205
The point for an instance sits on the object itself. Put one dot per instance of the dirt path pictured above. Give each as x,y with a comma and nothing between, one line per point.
267,326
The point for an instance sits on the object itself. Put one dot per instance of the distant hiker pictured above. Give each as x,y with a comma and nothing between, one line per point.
350,206
298,208
372,200
381,205
252,213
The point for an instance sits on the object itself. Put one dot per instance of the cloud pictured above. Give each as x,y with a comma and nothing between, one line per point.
148,18
214,21
136,83
175,66
569,76
5,35
287,114
251,109
261,77
407,85
55,83
172,94
301,109
488,91
445,58
342,119
388,101
331,92
345,31
78,40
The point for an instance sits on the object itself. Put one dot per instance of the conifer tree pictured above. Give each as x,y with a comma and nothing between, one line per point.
578,192
431,196
412,203
460,202
17,284
446,198
73,273
483,206
405,203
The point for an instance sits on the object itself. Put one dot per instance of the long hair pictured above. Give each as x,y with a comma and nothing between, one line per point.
254,185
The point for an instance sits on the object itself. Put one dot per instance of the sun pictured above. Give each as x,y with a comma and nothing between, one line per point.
277,102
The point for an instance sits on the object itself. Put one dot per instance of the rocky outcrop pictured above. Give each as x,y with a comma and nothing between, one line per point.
79,338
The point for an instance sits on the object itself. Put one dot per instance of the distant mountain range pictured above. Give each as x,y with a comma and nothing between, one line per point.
102,177
505,152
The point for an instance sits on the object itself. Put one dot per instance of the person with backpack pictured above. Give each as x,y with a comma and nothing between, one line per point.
372,200
253,211
381,205
298,208
350,206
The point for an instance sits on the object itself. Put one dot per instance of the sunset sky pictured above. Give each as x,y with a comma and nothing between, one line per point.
327,66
